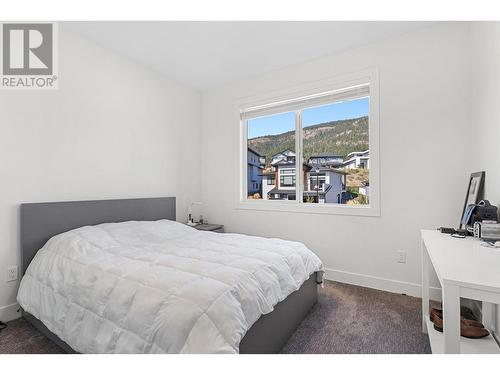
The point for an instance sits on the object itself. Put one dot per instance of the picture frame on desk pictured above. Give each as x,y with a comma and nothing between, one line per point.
474,194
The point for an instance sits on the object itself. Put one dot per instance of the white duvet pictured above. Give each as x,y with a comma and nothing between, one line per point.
159,287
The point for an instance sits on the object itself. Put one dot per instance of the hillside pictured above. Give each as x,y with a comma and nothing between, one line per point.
336,137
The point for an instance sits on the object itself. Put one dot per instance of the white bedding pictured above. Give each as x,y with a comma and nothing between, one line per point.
159,287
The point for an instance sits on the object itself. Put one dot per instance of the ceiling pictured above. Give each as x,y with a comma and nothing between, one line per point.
205,55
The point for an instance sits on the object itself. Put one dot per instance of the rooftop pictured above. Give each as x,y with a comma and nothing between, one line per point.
325,156
281,191
313,192
283,153
290,161
268,173
326,169
255,152
357,152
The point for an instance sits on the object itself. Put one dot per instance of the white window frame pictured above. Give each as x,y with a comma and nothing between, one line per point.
369,76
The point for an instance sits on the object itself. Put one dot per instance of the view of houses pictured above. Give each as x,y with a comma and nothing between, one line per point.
327,178
358,160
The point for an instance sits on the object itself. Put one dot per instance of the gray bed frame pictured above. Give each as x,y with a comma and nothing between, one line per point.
41,221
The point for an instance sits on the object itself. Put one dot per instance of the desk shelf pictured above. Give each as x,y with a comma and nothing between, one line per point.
485,345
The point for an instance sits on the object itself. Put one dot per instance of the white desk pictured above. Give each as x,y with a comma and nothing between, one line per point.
464,269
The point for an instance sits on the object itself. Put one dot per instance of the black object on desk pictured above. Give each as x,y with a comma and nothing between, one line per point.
457,233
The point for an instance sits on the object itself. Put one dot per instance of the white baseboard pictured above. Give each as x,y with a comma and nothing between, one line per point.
9,312
380,283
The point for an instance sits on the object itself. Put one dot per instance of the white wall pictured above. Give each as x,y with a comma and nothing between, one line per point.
115,130
485,96
424,117
486,99
112,130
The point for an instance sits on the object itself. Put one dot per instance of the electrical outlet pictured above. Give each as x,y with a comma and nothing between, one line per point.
12,273
401,256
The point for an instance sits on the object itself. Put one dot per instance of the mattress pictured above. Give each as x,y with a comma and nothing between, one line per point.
159,286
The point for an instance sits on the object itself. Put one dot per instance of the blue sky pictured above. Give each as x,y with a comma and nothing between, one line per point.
284,122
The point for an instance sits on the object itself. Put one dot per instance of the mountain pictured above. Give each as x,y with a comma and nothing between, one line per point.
335,137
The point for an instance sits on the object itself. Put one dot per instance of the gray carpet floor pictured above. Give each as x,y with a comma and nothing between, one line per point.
347,319
350,319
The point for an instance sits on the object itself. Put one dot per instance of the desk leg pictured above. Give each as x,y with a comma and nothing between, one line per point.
489,313
451,318
425,286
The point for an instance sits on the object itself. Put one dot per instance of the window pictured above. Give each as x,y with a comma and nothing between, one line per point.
287,181
317,181
336,131
273,139
323,145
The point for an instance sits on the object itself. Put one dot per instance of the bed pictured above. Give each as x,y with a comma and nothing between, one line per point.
122,276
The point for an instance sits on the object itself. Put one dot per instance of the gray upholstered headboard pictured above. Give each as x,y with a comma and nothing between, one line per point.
41,221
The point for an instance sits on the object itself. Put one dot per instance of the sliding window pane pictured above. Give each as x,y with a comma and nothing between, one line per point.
271,157
336,152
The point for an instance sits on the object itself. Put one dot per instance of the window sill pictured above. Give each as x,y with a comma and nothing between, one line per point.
309,208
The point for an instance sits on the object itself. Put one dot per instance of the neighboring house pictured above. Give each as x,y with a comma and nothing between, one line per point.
364,189
268,182
279,180
334,161
255,166
325,185
322,183
358,160
283,166
281,156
